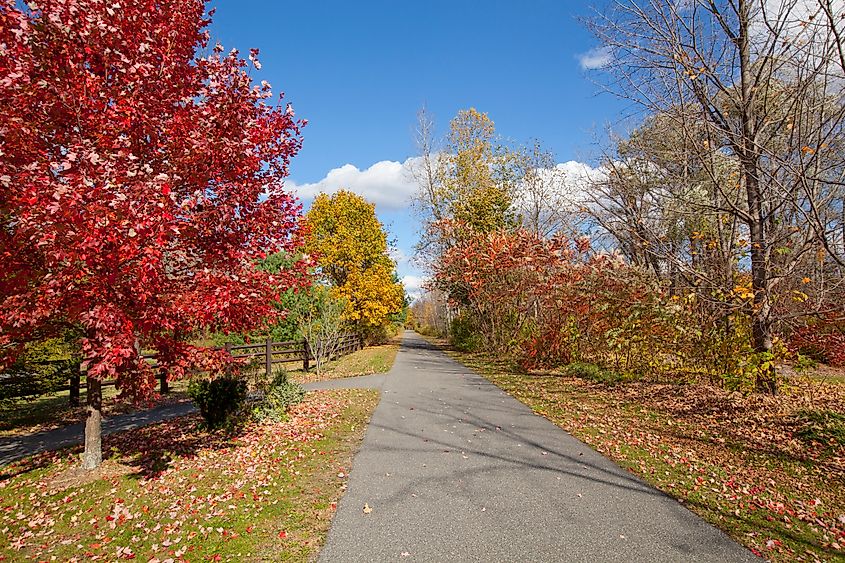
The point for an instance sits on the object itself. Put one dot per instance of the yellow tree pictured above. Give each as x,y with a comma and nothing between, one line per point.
351,249
480,174
473,180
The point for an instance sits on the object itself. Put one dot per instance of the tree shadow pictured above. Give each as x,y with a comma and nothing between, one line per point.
148,450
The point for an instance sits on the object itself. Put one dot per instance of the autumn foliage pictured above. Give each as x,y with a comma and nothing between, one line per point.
138,184
350,246
552,302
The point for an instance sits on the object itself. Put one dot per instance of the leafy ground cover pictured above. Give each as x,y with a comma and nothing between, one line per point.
769,471
47,412
174,492
370,360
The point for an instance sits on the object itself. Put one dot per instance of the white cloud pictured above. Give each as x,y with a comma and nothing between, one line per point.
413,286
398,255
570,183
385,183
597,57
579,177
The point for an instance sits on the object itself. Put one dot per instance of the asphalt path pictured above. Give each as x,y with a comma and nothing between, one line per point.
13,448
454,469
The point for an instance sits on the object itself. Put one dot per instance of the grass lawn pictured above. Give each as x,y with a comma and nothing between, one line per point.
173,492
25,416
370,360
760,468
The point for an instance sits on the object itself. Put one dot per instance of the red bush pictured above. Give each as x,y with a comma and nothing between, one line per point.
823,341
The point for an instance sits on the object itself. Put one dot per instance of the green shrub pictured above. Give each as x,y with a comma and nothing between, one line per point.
26,380
217,399
280,395
381,334
427,330
803,363
43,367
592,372
464,335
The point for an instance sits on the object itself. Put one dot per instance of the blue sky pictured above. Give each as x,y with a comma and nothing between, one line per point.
360,71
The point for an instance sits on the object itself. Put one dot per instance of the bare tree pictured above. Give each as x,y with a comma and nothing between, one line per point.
750,82
427,172
431,311
322,325
543,200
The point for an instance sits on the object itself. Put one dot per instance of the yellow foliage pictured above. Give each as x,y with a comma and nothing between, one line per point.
480,173
372,294
350,246
744,291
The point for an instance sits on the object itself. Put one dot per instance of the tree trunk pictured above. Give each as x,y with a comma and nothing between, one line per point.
93,456
75,381
761,328
749,156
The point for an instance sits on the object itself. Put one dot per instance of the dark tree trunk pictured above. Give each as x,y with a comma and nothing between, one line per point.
761,328
93,456
749,157
75,382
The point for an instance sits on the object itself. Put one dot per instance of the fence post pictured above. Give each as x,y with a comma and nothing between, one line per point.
268,358
305,355
75,382
228,348
164,386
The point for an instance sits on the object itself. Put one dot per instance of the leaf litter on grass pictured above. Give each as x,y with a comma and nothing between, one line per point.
192,495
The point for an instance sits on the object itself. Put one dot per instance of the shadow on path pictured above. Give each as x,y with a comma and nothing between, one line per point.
455,469
14,448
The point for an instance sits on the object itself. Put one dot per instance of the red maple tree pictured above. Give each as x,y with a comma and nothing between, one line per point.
139,181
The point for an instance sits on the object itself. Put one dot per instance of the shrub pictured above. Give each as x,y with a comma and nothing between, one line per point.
804,363
381,334
593,372
25,380
821,339
556,345
428,330
44,367
464,335
280,395
217,399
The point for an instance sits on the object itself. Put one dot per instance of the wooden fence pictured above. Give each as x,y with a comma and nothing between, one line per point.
264,356
272,353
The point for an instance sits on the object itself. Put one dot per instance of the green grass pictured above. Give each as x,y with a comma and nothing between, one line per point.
823,427
266,493
370,360
593,373
784,507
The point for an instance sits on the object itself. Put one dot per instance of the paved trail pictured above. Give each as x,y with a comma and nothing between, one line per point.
456,470
16,447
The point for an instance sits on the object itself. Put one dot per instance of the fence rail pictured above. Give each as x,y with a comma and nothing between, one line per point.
271,353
